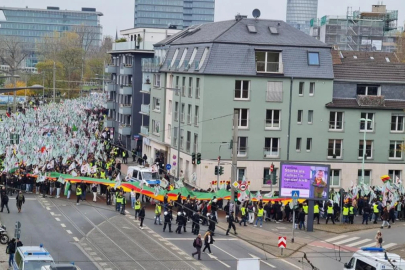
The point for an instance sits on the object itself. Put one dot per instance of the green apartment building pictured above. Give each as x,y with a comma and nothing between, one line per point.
279,79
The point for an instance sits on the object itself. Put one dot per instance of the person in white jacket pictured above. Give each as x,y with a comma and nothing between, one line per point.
251,212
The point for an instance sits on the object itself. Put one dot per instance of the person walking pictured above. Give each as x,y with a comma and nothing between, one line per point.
231,224
198,245
316,211
10,249
84,190
78,194
376,212
168,216
137,208
58,186
366,212
385,218
195,226
158,212
20,200
208,240
94,190
118,202
351,214
260,212
301,219
133,154
133,198
179,221
251,212
378,239
142,216
68,189
108,195
243,215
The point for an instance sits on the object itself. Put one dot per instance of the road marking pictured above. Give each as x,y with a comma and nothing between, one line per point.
346,240
63,225
290,264
225,252
97,258
215,258
358,242
88,248
389,245
335,238
47,208
126,212
272,266
92,253
69,232
189,239
57,219
52,213
76,239
103,264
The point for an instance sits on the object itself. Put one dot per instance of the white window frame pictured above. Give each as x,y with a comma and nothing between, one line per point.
396,143
280,62
240,119
270,155
301,90
367,86
203,57
242,83
393,175
332,177
397,123
359,173
174,58
300,114
298,143
156,104
193,56
310,117
239,152
156,80
372,149
170,107
311,89
366,122
237,172
272,126
335,122
334,148
310,145
183,56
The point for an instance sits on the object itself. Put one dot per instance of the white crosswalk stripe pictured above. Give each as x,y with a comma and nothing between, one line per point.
346,240
389,245
356,242
361,242
335,238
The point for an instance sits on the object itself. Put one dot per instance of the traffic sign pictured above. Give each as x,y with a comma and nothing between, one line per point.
235,184
282,242
242,187
168,167
295,194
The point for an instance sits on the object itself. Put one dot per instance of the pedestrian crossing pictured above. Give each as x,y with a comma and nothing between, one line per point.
353,242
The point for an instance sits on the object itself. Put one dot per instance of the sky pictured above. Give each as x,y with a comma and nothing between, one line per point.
119,14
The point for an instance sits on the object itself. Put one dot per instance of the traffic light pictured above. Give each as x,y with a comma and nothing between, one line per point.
221,170
199,158
235,195
216,170
193,158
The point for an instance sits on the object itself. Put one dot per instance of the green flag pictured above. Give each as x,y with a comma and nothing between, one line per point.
74,128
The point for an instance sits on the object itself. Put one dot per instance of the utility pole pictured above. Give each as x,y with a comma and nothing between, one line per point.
54,81
219,160
103,76
234,157
15,93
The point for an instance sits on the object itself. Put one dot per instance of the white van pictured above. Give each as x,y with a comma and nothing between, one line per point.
371,258
31,258
147,175
60,267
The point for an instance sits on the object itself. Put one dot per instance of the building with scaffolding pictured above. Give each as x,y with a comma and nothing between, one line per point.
374,30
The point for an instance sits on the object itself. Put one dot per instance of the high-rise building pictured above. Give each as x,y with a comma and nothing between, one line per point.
173,13
31,24
300,13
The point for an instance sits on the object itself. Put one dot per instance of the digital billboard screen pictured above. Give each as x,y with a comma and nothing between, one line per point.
310,180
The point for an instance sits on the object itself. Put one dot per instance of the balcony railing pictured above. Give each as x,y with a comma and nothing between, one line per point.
110,104
108,122
126,69
272,124
145,130
145,109
125,109
271,152
335,153
124,130
269,67
110,87
125,89
151,64
111,69
374,101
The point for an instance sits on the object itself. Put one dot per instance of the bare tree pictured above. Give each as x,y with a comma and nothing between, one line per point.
13,51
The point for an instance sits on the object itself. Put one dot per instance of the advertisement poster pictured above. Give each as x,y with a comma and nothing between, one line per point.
311,180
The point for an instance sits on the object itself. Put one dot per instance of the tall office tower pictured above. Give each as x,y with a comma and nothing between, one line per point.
177,14
31,24
300,13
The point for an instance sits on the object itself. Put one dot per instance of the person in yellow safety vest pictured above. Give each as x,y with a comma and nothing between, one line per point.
305,210
376,212
102,174
316,211
78,194
123,203
351,214
329,213
137,208
119,201
171,187
158,212
243,213
346,213
260,212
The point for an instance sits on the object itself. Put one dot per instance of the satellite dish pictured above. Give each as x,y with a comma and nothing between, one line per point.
256,13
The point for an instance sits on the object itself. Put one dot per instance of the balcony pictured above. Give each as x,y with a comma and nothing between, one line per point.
145,130
372,101
145,109
125,109
110,104
125,90
269,67
126,69
110,87
124,130
111,69
335,153
108,122
151,64
145,88
271,152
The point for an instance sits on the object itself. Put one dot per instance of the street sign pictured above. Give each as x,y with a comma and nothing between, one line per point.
168,167
242,187
174,163
282,242
174,157
136,137
235,184
295,194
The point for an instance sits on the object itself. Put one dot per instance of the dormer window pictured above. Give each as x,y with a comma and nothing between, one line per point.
313,58
368,90
269,62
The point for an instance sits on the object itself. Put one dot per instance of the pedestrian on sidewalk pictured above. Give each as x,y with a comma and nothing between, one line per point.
83,186
133,196
68,189
58,185
243,215
260,212
366,212
346,213
385,218
133,154
208,240
168,216
158,212
137,208
78,194
231,224
330,213
10,249
316,211
142,216
94,190
123,204
197,244
378,239
195,227
351,214
251,212
20,200
301,219
118,201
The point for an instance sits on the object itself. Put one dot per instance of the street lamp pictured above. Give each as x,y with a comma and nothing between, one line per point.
364,146
178,90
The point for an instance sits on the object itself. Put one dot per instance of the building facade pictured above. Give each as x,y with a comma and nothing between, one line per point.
177,14
126,86
300,13
359,30
31,24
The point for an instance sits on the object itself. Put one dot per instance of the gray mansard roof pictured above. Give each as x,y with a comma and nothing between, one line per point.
231,49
